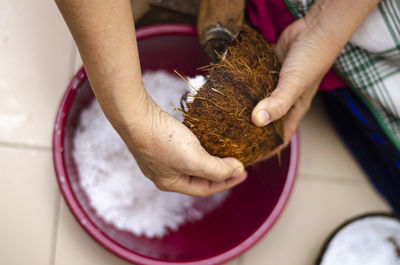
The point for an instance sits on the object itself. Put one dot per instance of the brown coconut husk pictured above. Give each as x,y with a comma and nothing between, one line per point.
220,114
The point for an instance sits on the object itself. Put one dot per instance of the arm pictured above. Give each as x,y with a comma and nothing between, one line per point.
166,151
105,35
308,48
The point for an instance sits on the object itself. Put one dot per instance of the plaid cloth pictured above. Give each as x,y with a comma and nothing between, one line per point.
370,63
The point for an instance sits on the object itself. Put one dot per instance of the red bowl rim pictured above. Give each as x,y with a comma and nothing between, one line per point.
94,231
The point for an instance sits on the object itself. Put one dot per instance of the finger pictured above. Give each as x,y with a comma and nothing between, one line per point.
291,123
281,49
201,187
289,88
293,119
214,168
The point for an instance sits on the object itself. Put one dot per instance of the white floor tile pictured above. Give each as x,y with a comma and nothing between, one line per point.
322,152
29,199
35,68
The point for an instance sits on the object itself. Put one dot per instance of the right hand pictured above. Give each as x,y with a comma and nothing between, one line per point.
171,156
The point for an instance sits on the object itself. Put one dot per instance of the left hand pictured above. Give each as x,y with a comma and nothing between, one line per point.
307,49
299,79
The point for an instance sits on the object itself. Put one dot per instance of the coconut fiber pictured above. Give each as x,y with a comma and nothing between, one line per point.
220,113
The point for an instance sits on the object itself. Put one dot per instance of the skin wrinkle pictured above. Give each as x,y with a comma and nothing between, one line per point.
129,129
126,124
331,49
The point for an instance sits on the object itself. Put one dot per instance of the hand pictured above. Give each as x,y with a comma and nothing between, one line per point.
301,73
171,156
307,49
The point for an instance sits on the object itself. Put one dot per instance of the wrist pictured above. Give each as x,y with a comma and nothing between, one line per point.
325,30
336,21
308,54
125,108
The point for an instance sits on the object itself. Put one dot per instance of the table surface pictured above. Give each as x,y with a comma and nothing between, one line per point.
38,58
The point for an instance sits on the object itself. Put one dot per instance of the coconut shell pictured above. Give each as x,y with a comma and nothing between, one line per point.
330,238
220,114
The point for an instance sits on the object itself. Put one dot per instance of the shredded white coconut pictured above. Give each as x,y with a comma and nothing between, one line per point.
113,182
368,241
195,84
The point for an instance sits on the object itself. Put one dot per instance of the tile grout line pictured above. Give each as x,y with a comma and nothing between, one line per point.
25,146
54,236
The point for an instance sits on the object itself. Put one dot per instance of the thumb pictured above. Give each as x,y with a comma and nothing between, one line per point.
279,102
217,169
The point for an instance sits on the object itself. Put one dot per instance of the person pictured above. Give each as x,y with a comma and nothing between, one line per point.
166,151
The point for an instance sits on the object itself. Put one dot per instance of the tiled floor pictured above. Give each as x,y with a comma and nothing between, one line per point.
37,59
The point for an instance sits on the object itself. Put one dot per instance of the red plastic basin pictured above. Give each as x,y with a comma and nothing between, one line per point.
249,212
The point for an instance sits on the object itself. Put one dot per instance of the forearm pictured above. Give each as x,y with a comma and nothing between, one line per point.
105,35
333,22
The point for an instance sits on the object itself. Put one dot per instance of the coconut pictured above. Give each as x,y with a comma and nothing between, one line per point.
368,240
219,114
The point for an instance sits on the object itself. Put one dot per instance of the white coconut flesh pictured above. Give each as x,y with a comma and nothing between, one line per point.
370,240
195,84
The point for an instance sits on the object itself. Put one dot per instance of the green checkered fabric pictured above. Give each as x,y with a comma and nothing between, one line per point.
370,62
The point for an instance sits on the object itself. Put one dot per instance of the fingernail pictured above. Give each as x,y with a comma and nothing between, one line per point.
239,171
263,117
